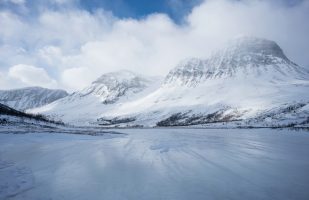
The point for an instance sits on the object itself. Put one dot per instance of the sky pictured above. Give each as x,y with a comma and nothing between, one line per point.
67,44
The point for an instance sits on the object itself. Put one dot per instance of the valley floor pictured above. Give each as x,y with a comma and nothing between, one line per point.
156,164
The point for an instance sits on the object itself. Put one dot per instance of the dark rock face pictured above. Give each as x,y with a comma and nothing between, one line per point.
188,119
115,121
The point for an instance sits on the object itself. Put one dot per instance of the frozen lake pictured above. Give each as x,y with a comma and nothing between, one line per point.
156,164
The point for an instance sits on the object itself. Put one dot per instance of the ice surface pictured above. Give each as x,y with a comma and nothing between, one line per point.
14,180
156,164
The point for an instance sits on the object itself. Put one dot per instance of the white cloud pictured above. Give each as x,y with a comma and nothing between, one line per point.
270,19
3,81
31,76
12,28
61,2
77,77
79,46
17,2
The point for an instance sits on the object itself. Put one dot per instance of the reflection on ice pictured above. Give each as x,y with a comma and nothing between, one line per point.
156,164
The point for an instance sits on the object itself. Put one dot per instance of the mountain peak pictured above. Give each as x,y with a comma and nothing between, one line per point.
111,86
119,76
253,45
242,57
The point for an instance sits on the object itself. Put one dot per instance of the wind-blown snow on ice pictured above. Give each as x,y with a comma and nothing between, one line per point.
156,164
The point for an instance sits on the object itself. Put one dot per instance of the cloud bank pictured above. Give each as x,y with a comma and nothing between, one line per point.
31,76
71,47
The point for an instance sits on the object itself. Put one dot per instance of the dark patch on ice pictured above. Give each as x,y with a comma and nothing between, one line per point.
5,164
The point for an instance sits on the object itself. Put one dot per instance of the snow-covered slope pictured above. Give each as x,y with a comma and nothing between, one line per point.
11,119
248,79
108,91
31,97
251,80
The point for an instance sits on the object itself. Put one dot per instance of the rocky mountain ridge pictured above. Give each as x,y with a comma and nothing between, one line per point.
30,97
250,82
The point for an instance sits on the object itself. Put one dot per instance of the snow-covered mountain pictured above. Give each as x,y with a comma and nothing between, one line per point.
30,97
112,86
108,91
249,82
245,57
